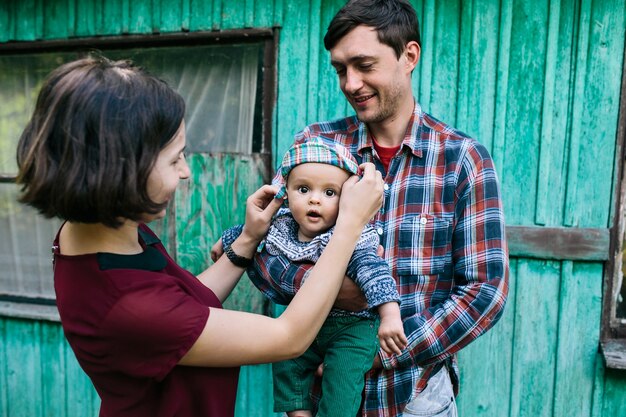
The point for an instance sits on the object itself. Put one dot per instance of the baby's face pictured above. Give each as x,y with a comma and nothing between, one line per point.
313,192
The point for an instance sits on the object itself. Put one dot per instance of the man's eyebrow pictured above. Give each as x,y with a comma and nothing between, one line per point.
355,58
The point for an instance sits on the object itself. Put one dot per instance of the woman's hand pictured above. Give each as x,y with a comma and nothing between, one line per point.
260,207
361,198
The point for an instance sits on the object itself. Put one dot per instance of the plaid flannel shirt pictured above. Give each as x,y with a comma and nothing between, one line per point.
442,227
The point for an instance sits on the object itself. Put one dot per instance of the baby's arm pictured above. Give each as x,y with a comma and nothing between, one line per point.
372,275
391,332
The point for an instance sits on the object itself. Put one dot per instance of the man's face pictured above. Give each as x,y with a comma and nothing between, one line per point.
376,83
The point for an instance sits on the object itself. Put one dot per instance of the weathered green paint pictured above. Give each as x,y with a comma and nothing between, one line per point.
536,81
211,201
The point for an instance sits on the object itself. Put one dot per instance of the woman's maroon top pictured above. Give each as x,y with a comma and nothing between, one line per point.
129,320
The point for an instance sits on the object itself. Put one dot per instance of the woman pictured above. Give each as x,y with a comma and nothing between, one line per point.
104,151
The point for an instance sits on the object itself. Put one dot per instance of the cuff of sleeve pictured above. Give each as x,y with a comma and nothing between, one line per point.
388,361
381,292
229,235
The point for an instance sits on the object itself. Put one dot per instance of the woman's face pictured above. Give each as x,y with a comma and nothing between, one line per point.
169,168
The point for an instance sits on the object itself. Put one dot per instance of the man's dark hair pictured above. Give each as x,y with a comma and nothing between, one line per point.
395,22
94,137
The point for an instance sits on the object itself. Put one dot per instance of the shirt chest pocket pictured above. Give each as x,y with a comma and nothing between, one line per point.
423,245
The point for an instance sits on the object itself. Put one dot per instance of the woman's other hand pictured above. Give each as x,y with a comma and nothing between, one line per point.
260,208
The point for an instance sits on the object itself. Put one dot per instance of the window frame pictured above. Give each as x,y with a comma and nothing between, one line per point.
44,308
613,329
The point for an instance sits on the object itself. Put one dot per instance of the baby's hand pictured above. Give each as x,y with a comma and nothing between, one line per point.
391,333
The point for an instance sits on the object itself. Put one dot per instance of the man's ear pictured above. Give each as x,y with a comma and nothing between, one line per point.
412,53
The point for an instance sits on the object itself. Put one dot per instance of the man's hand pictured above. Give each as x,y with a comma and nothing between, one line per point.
217,250
350,297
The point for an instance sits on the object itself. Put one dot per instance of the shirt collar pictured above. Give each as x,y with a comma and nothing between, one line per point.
412,137
151,259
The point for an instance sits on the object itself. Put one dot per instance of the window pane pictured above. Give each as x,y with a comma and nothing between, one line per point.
25,256
20,79
219,85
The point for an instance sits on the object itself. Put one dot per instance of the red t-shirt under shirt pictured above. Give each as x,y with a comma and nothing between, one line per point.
385,154
129,320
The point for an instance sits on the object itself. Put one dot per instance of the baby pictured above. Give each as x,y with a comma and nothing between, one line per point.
314,172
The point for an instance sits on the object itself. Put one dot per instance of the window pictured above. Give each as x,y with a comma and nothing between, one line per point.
614,303
227,111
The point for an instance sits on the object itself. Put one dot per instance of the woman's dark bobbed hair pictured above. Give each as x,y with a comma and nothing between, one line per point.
95,134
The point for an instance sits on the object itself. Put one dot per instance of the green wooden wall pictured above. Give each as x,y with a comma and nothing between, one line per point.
536,81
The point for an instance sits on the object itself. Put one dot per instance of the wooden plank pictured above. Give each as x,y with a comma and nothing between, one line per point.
427,68
156,16
201,14
81,399
27,23
580,305
602,93
279,6
525,95
478,117
171,16
614,389
53,369
6,21
315,49
23,359
185,15
614,351
462,62
233,14
563,243
502,86
4,384
291,112
534,354
444,63
542,206
598,386
254,394
571,198
553,177
488,360
217,14
332,102
140,17
87,17
248,14
112,17
263,13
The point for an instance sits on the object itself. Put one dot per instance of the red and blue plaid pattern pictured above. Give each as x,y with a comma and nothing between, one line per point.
442,227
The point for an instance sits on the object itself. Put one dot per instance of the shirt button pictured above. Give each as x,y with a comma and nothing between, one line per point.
379,230
386,187
423,220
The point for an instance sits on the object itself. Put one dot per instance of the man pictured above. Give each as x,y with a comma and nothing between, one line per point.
441,224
